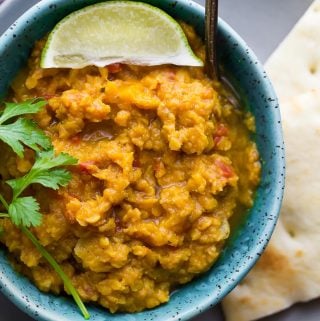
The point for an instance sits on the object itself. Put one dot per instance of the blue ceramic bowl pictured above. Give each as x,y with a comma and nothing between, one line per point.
245,245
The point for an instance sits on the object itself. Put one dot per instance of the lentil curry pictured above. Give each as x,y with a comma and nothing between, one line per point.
165,159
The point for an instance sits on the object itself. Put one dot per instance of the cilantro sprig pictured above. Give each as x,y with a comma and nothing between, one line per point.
22,131
24,211
43,172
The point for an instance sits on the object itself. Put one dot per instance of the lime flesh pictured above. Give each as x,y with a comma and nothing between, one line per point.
117,32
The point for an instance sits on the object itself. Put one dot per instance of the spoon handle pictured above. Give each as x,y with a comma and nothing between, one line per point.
211,23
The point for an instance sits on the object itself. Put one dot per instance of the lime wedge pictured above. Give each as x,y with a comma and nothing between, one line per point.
117,32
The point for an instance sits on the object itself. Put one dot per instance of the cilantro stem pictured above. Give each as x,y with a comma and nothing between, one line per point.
4,215
58,269
51,261
4,202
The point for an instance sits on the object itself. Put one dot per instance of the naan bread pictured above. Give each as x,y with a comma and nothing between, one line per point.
289,270
294,67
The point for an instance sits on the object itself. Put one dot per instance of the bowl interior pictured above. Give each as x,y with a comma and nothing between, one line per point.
245,245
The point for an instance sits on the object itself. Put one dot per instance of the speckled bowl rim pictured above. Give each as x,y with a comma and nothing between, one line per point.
229,277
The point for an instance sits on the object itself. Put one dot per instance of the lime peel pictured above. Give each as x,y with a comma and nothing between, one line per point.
117,32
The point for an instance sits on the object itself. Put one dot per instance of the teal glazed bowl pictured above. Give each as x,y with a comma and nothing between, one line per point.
245,245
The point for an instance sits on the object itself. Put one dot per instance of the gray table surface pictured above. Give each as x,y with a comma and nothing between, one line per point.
263,24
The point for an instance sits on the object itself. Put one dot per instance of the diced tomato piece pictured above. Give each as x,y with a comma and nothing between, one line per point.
48,96
76,139
85,167
227,170
222,130
114,68
217,139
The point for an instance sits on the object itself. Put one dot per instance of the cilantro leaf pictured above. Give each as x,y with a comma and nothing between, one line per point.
53,178
23,131
47,160
43,172
24,211
31,106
